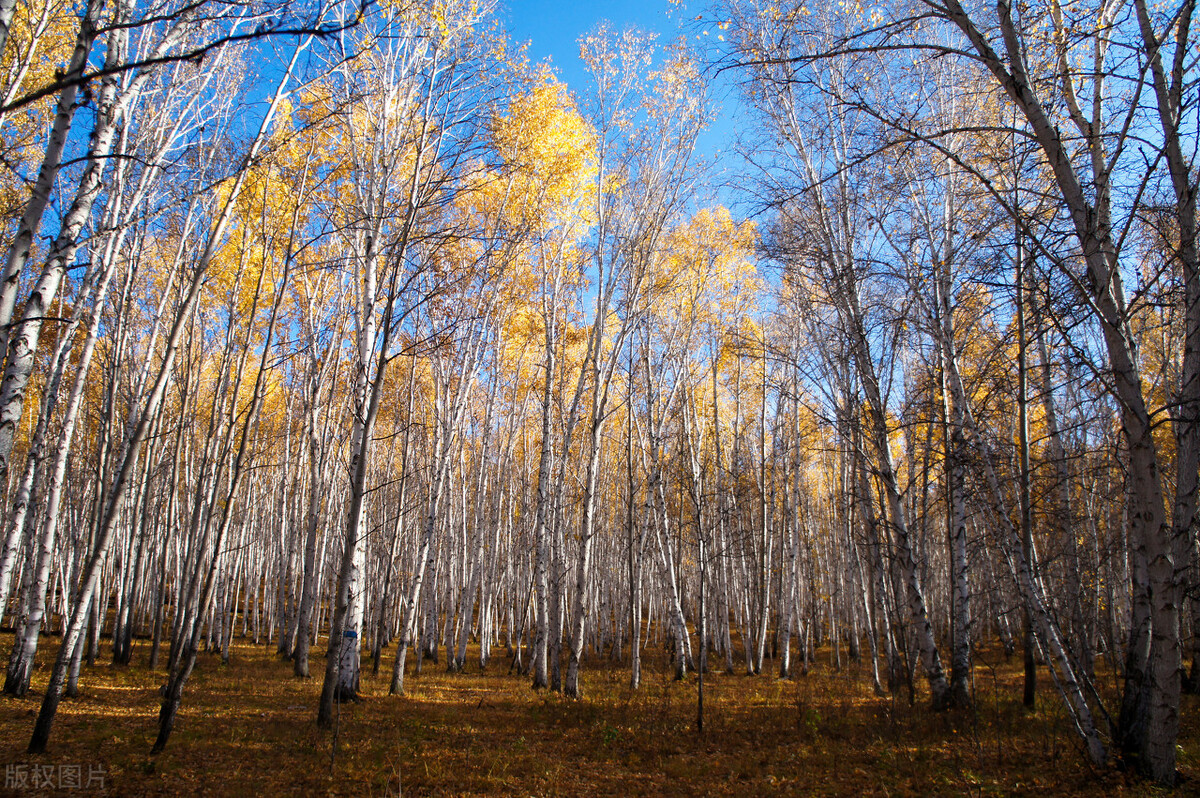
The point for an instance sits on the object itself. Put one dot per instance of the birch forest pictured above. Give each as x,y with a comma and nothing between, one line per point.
382,415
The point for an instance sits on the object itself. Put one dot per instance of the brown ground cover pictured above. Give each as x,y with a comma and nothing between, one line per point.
247,729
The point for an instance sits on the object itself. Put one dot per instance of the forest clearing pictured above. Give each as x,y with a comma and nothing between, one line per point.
249,730
370,391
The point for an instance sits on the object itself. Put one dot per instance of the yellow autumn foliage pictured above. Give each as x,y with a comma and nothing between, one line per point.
40,42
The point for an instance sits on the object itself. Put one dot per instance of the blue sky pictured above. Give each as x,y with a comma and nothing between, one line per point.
553,27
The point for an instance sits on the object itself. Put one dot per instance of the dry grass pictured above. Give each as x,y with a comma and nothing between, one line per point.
248,728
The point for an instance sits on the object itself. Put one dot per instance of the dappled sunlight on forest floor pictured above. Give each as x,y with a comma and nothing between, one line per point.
248,728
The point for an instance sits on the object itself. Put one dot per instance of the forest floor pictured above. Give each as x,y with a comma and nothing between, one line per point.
248,728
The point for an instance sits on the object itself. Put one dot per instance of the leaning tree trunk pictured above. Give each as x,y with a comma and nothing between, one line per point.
905,559
146,417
